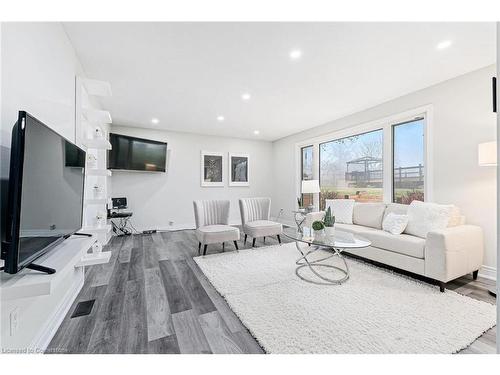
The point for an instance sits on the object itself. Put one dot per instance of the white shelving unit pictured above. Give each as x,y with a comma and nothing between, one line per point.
92,129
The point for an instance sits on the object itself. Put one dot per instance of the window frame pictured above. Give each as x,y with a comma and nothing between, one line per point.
385,123
349,136
393,127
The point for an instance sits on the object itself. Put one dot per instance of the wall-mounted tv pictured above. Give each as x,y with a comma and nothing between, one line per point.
45,197
136,154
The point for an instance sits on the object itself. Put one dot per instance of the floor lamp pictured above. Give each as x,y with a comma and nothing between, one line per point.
487,157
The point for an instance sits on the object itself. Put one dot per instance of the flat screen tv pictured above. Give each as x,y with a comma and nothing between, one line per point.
45,197
136,154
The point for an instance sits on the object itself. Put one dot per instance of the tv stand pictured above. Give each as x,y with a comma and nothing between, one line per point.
36,267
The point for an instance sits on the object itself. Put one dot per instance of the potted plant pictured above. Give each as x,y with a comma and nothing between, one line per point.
329,222
318,227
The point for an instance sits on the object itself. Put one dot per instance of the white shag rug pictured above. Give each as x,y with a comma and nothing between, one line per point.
375,311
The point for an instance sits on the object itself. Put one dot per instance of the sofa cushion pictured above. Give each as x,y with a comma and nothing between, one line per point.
368,214
396,208
342,209
402,244
424,217
394,223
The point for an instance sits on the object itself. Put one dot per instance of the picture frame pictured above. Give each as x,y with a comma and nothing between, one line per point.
239,169
212,171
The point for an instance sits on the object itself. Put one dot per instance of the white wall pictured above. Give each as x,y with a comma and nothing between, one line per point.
157,198
462,118
38,68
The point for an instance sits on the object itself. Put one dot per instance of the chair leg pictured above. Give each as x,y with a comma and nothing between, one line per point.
223,247
279,239
236,245
199,247
441,286
253,242
264,239
205,250
474,274
245,240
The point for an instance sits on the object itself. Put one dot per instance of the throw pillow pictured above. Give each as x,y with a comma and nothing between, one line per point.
394,223
342,209
424,217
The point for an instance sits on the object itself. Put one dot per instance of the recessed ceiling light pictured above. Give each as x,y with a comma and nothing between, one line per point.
155,121
246,96
444,44
256,132
220,118
295,54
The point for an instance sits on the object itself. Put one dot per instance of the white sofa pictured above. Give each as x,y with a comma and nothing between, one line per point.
444,254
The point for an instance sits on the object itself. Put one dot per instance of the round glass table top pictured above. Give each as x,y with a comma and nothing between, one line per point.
339,239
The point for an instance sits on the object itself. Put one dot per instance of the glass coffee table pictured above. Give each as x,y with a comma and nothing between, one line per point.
331,245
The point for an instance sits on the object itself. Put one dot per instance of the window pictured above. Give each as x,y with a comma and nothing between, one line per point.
307,172
408,161
352,167
307,163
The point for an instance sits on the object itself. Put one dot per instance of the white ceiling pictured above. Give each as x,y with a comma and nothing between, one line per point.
187,74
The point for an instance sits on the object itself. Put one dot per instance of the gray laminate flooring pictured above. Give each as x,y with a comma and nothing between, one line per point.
152,298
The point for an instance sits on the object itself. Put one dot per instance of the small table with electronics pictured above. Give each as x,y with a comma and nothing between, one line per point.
119,204
331,245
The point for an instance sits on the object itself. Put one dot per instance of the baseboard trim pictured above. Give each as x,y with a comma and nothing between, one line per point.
488,272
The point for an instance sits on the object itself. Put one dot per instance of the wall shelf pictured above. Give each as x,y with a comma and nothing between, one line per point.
104,229
28,283
98,172
97,116
93,259
95,201
99,144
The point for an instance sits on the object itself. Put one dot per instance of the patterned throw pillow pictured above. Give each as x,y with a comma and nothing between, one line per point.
342,209
394,223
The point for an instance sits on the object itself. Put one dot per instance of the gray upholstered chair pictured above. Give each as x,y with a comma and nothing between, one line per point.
212,217
255,214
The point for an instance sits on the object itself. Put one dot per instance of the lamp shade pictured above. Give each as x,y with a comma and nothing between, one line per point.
487,154
310,187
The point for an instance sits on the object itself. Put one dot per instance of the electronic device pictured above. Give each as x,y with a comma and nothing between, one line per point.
45,197
119,203
136,154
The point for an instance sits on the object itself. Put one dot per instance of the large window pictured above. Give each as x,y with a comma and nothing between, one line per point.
408,161
307,171
352,167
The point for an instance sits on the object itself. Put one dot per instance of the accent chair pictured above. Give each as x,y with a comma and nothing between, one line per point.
212,217
255,213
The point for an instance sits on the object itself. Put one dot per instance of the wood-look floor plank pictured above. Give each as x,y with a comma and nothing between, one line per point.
159,319
151,257
136,269
75,332
193,289
161,247
164,345
134,334
232,321
190,336
219,337
177,299
247,343
105,337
